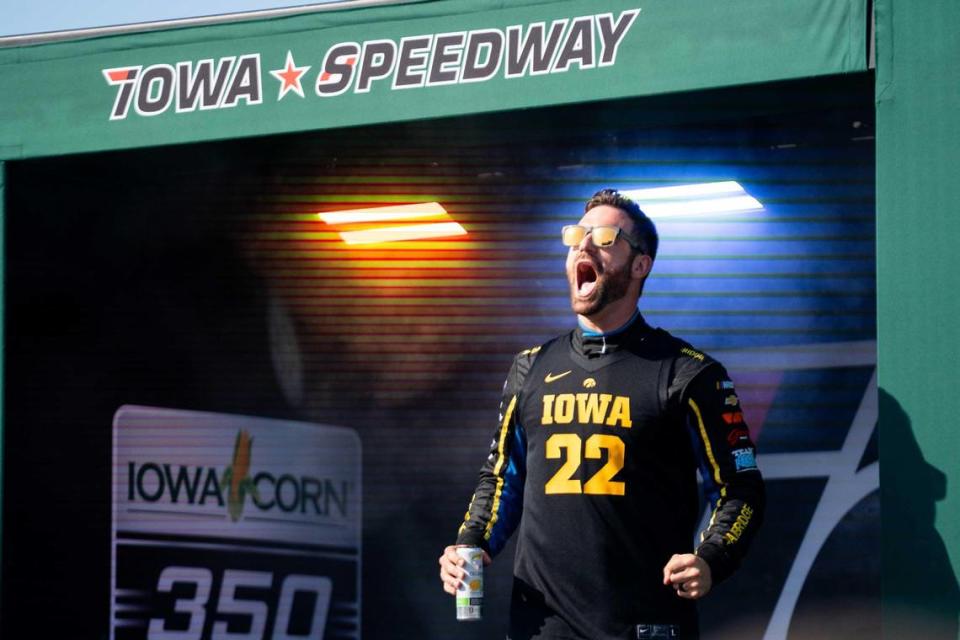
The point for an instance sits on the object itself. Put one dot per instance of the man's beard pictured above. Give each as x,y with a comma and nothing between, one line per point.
611,286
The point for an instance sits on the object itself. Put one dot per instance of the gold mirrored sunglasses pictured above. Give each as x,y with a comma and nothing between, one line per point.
601,235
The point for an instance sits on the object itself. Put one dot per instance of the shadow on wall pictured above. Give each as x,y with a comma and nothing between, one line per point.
921,597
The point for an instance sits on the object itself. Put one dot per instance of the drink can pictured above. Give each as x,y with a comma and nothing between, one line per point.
470,591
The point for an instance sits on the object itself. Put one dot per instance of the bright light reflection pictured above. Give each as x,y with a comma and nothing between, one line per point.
385,214
408,232
694,199
685,191
700,207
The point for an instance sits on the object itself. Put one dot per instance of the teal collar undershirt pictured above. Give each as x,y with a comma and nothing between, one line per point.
596,334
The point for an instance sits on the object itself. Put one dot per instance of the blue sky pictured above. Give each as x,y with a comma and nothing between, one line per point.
19,17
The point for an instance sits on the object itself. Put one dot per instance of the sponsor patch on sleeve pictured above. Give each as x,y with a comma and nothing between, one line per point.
744,459
737,434
732,417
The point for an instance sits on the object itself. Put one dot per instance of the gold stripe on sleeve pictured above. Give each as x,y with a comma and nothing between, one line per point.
713,464
498,468
466,516
707,447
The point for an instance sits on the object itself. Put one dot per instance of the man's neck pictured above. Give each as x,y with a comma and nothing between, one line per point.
610,318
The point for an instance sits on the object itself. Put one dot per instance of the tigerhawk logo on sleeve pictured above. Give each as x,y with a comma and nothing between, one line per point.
427,60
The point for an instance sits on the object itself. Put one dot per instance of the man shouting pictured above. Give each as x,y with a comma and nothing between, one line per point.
600,436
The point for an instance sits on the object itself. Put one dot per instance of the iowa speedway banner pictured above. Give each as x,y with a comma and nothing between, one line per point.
411,61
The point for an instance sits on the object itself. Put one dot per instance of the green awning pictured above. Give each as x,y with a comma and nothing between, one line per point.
401,62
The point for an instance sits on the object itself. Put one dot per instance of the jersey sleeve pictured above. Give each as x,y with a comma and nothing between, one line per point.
497,503
727,458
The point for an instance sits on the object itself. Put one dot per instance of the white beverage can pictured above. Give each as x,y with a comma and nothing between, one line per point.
470,591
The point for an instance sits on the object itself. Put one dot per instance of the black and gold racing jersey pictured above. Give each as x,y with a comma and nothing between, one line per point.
597,447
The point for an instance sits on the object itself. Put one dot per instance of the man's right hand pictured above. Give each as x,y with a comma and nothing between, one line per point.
451,568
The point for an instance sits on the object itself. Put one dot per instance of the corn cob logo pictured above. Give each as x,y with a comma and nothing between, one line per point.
237,477
149,482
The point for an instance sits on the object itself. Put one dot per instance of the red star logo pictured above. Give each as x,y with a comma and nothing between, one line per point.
289,77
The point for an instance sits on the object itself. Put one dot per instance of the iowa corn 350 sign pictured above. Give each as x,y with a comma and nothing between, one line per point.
191,563
426,60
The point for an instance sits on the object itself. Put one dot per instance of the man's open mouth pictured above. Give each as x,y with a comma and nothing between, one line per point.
586,278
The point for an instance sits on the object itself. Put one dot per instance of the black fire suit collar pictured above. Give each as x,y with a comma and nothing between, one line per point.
592,344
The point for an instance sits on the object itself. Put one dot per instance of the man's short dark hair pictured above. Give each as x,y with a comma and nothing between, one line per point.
643,228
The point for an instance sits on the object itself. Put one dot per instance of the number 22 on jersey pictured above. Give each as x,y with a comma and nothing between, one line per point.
601,483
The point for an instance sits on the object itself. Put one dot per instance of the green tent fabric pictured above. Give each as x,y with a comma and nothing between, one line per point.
58,98
918,137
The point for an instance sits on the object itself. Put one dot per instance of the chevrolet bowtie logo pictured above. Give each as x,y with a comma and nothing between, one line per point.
550,377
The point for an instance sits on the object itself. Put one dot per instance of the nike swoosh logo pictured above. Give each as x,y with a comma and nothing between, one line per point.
550,377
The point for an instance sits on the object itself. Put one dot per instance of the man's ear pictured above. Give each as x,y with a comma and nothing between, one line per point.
640,268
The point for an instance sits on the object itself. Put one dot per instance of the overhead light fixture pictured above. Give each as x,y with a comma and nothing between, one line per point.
385,214
443,226
407,232
694,199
